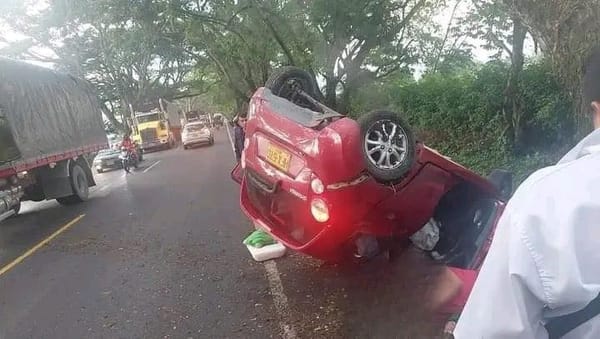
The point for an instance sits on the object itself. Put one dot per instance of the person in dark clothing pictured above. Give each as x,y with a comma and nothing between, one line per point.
239,136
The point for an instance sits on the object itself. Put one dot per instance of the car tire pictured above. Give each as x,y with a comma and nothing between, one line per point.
185,147
80,186
387,162
503,181
280,83
99,171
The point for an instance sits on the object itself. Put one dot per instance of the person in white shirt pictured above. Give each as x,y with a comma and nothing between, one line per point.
544,261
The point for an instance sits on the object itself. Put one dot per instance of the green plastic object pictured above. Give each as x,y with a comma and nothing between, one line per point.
258,239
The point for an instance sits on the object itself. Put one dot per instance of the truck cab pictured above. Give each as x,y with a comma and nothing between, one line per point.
151,130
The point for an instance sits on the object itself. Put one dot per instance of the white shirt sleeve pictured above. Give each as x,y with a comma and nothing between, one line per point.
544,258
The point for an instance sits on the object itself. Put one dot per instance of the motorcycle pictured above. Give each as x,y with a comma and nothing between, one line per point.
128,158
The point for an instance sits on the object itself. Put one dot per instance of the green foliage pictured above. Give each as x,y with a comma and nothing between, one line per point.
460,115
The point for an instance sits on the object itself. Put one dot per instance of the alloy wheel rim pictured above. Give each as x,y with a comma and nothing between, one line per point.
386,145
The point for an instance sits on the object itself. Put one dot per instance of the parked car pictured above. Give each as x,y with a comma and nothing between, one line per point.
330,186
107,159
195,134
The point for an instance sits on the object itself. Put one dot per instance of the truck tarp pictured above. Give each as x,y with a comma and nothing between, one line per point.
43,112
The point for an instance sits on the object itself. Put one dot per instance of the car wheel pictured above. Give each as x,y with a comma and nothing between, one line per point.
99,170
503,181
388,146
284,82
80,186
185,147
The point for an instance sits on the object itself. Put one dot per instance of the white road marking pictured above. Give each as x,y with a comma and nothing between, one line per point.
154,164
280,300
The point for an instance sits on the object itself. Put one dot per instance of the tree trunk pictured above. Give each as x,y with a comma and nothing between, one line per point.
330,93
513,100
111,118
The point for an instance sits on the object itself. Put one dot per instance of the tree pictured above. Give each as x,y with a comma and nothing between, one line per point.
359,41
348,43
123,48
504,32
567,32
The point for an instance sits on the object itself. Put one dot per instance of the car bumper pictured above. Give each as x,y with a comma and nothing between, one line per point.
297,229
108,165
155,144
197,141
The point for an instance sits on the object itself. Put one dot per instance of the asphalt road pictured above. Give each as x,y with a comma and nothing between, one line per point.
158,254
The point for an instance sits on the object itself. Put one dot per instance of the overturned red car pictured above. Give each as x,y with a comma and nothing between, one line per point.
336,188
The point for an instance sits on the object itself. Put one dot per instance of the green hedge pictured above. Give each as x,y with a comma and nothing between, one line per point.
460,114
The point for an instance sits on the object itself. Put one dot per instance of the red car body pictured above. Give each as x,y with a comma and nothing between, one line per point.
286,150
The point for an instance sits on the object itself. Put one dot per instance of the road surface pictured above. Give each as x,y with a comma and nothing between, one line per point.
158,254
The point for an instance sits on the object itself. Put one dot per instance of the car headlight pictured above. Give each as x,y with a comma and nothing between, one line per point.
317,186
319,210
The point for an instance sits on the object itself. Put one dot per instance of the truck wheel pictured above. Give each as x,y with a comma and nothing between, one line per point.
388,146
80,186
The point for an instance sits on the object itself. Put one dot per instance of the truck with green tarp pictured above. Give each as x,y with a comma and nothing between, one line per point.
50,125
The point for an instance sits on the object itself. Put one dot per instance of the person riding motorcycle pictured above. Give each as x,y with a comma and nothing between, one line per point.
131,148
128,144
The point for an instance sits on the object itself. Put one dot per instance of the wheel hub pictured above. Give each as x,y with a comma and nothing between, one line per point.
386,145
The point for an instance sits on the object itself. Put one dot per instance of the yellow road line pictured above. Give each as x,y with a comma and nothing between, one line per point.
32,250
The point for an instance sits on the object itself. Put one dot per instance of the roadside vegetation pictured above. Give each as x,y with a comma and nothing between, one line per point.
489,83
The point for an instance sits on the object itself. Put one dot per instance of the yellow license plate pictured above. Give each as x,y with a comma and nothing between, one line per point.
279,157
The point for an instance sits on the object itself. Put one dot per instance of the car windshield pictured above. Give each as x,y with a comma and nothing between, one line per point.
195,127
147,118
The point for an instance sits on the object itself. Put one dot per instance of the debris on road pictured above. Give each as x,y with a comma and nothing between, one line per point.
263,247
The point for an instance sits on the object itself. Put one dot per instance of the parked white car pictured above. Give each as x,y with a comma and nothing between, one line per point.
196,134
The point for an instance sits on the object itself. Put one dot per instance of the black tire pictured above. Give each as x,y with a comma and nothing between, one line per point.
402,147
280,83
99,171
503,181
185,147
80,186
